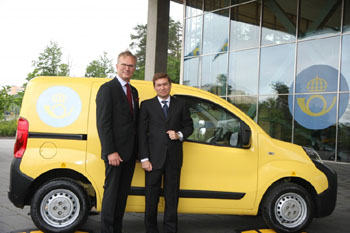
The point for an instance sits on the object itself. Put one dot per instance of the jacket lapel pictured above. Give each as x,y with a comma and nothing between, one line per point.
158,107
172,106
119,86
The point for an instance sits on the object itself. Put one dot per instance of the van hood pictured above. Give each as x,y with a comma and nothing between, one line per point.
273,149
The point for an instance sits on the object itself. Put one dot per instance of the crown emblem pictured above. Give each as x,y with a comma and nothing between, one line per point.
317,84
59,98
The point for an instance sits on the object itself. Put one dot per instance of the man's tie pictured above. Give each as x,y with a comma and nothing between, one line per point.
128,95
165,108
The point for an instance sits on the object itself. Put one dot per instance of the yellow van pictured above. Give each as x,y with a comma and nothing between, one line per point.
231,166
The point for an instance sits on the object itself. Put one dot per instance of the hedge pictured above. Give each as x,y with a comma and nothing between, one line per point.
8,128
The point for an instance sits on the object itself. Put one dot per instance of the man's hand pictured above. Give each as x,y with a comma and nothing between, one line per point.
114,159
147,165
172,135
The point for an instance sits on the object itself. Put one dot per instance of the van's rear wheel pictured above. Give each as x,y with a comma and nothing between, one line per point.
288,207
60,205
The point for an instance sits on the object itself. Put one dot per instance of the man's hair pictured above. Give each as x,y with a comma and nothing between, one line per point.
159,76
126,53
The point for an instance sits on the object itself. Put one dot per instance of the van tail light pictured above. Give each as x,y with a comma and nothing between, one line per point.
21,137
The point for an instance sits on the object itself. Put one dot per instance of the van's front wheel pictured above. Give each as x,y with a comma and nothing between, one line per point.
288,208
60,205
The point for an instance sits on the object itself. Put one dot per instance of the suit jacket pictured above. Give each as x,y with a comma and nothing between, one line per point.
154,142
116,126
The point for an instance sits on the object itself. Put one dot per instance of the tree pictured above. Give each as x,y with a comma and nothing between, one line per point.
49,63
139,44
100,68
174,49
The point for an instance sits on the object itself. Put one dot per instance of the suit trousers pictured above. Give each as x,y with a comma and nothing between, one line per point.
171,184
116,189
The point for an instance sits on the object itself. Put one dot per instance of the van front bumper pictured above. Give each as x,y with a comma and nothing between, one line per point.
19,184
326,201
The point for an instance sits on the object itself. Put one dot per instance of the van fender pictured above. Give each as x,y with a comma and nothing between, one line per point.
289,171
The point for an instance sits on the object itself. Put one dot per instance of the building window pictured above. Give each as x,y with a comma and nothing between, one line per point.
276,69
319,17
285,63
243,72
245,21
274,116
193,7
215,32
211,5
214,74
279,21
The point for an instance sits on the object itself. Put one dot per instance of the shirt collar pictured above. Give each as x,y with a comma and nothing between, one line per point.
167,99
121,81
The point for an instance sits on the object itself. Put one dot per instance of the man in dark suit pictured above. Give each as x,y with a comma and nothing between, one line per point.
116,113
164,123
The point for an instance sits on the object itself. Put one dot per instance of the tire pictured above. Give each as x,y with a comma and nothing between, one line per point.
60,205
288,208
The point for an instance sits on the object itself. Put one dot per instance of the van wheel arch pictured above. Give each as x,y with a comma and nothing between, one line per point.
60,205
59,174
291,187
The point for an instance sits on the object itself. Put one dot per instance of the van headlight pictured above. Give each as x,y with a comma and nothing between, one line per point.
312,153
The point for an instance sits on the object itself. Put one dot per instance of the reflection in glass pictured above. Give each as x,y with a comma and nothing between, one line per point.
191,67
345,64
215,32
277,69
274,117
323,53
243,72
214,74
234,2
323,19
346,23
193,36
210,5
246,104
193,7
323,141
344,130
212,124
245,21
279,21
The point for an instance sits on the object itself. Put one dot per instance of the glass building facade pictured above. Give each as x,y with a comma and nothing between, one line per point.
285,63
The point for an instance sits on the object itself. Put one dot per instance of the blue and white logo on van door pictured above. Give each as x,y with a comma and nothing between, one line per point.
58,106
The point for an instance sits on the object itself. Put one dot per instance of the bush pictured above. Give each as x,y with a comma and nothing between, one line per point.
8,128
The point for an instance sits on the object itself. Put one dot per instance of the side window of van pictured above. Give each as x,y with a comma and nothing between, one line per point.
212,123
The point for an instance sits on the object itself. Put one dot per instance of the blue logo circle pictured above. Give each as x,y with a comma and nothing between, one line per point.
315,109
58,106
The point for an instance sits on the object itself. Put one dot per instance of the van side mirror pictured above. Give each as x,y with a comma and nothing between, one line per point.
245,135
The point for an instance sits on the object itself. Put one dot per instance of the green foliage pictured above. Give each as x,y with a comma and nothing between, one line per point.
139,44
174,50
9,103
174,42
100,68
5,100
8,128
173,68
49,63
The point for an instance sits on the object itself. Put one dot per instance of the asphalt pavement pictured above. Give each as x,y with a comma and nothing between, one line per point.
14,220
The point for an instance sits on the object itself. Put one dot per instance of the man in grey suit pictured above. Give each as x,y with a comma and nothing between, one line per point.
116,113
164,123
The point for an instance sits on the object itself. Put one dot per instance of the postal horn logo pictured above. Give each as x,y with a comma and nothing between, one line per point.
58,106
315,107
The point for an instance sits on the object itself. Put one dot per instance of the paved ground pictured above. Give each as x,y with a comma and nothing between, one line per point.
13,219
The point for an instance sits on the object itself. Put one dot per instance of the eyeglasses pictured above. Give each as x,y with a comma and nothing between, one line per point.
128,65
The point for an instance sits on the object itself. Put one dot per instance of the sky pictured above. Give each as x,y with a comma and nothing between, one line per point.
84,29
